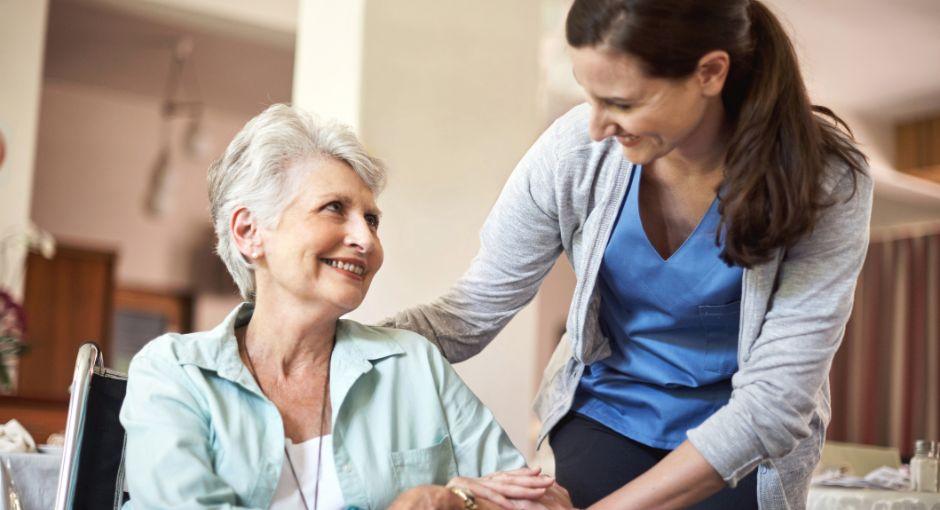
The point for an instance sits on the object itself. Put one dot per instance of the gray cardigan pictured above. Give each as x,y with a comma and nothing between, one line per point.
564,195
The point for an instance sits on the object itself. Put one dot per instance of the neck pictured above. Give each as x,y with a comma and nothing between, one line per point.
288,338
701,154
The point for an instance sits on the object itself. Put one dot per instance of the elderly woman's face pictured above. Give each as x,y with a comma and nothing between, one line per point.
326,248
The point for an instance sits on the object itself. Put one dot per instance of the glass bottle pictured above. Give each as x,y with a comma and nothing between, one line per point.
919,465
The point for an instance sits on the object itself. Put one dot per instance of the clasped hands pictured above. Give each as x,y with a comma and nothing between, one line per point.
519,489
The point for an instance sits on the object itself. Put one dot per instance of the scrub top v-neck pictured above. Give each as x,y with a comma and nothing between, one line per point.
673,329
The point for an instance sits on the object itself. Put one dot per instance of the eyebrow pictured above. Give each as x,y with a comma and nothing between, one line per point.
608,99
346,200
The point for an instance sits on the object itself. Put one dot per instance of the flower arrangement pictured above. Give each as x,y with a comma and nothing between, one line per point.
12,331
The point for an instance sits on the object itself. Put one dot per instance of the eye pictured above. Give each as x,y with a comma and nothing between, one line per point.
373,221
334,207
620,106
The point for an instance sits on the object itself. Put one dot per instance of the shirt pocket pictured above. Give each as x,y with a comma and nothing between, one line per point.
721,324
421,466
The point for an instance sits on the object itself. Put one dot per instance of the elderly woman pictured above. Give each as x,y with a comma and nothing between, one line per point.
283,404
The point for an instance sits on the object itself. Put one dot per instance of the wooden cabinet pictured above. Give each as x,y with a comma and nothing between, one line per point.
918,147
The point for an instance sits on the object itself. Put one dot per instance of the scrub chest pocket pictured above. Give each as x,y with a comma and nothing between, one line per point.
720,323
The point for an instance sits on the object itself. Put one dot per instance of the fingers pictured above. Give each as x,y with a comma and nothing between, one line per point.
533,471
482,490
522,480
512,490
520,485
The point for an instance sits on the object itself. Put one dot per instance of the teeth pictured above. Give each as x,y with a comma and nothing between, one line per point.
352,268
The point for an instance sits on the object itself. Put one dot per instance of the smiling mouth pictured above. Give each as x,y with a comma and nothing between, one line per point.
345,266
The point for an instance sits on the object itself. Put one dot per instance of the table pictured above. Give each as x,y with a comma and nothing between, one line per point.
838,498
35,476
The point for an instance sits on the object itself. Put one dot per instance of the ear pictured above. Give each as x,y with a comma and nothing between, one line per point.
246,233
712,71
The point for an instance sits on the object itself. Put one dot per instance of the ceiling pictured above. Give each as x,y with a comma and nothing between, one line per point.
92,44
871,57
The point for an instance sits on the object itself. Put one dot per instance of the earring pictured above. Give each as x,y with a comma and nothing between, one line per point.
254,254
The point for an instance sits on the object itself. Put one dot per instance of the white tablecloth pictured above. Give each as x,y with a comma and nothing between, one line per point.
35,476
836,498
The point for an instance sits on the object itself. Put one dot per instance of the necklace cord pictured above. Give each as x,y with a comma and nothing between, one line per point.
290,462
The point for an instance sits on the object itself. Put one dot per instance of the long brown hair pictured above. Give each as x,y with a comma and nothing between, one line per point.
781,144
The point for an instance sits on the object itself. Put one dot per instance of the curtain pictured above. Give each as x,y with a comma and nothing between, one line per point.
885,379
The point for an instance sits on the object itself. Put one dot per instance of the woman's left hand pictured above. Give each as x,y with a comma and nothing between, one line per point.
556,497
502,487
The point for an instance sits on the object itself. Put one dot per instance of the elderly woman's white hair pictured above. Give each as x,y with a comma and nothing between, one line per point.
253,173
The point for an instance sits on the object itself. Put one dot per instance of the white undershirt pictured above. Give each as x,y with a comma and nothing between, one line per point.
304,457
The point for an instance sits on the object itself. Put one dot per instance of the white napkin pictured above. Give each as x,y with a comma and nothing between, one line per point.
15,438
884,478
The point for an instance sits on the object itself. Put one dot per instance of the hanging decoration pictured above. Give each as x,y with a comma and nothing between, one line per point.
176,105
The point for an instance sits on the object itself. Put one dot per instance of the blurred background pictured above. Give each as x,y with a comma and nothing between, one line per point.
111,111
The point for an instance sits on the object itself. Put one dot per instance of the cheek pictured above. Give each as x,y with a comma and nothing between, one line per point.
689,112
663,126
639,124
378,256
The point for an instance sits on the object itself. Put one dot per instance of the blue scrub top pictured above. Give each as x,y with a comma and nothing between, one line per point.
673,330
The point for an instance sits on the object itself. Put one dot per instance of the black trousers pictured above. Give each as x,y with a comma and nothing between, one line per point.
592,461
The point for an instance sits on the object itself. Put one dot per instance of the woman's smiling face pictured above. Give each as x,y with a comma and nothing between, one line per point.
325,250
648,116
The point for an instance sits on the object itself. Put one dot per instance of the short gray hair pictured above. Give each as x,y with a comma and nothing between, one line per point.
253,173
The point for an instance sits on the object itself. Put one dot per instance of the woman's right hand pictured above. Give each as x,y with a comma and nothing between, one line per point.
556,497
502,487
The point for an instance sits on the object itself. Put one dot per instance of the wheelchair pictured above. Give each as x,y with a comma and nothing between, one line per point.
91,475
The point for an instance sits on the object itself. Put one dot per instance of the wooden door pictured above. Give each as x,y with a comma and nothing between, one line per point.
68,301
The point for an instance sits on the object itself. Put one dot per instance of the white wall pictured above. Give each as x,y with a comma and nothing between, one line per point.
449,102
22,37
328,59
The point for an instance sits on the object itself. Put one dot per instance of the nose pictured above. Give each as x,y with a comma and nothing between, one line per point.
600,126
360,236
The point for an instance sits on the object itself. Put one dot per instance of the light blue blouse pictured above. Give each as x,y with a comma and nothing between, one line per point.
673,329
200,434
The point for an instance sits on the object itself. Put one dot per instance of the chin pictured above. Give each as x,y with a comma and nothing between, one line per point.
637,155
347,304
341,301
642,155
